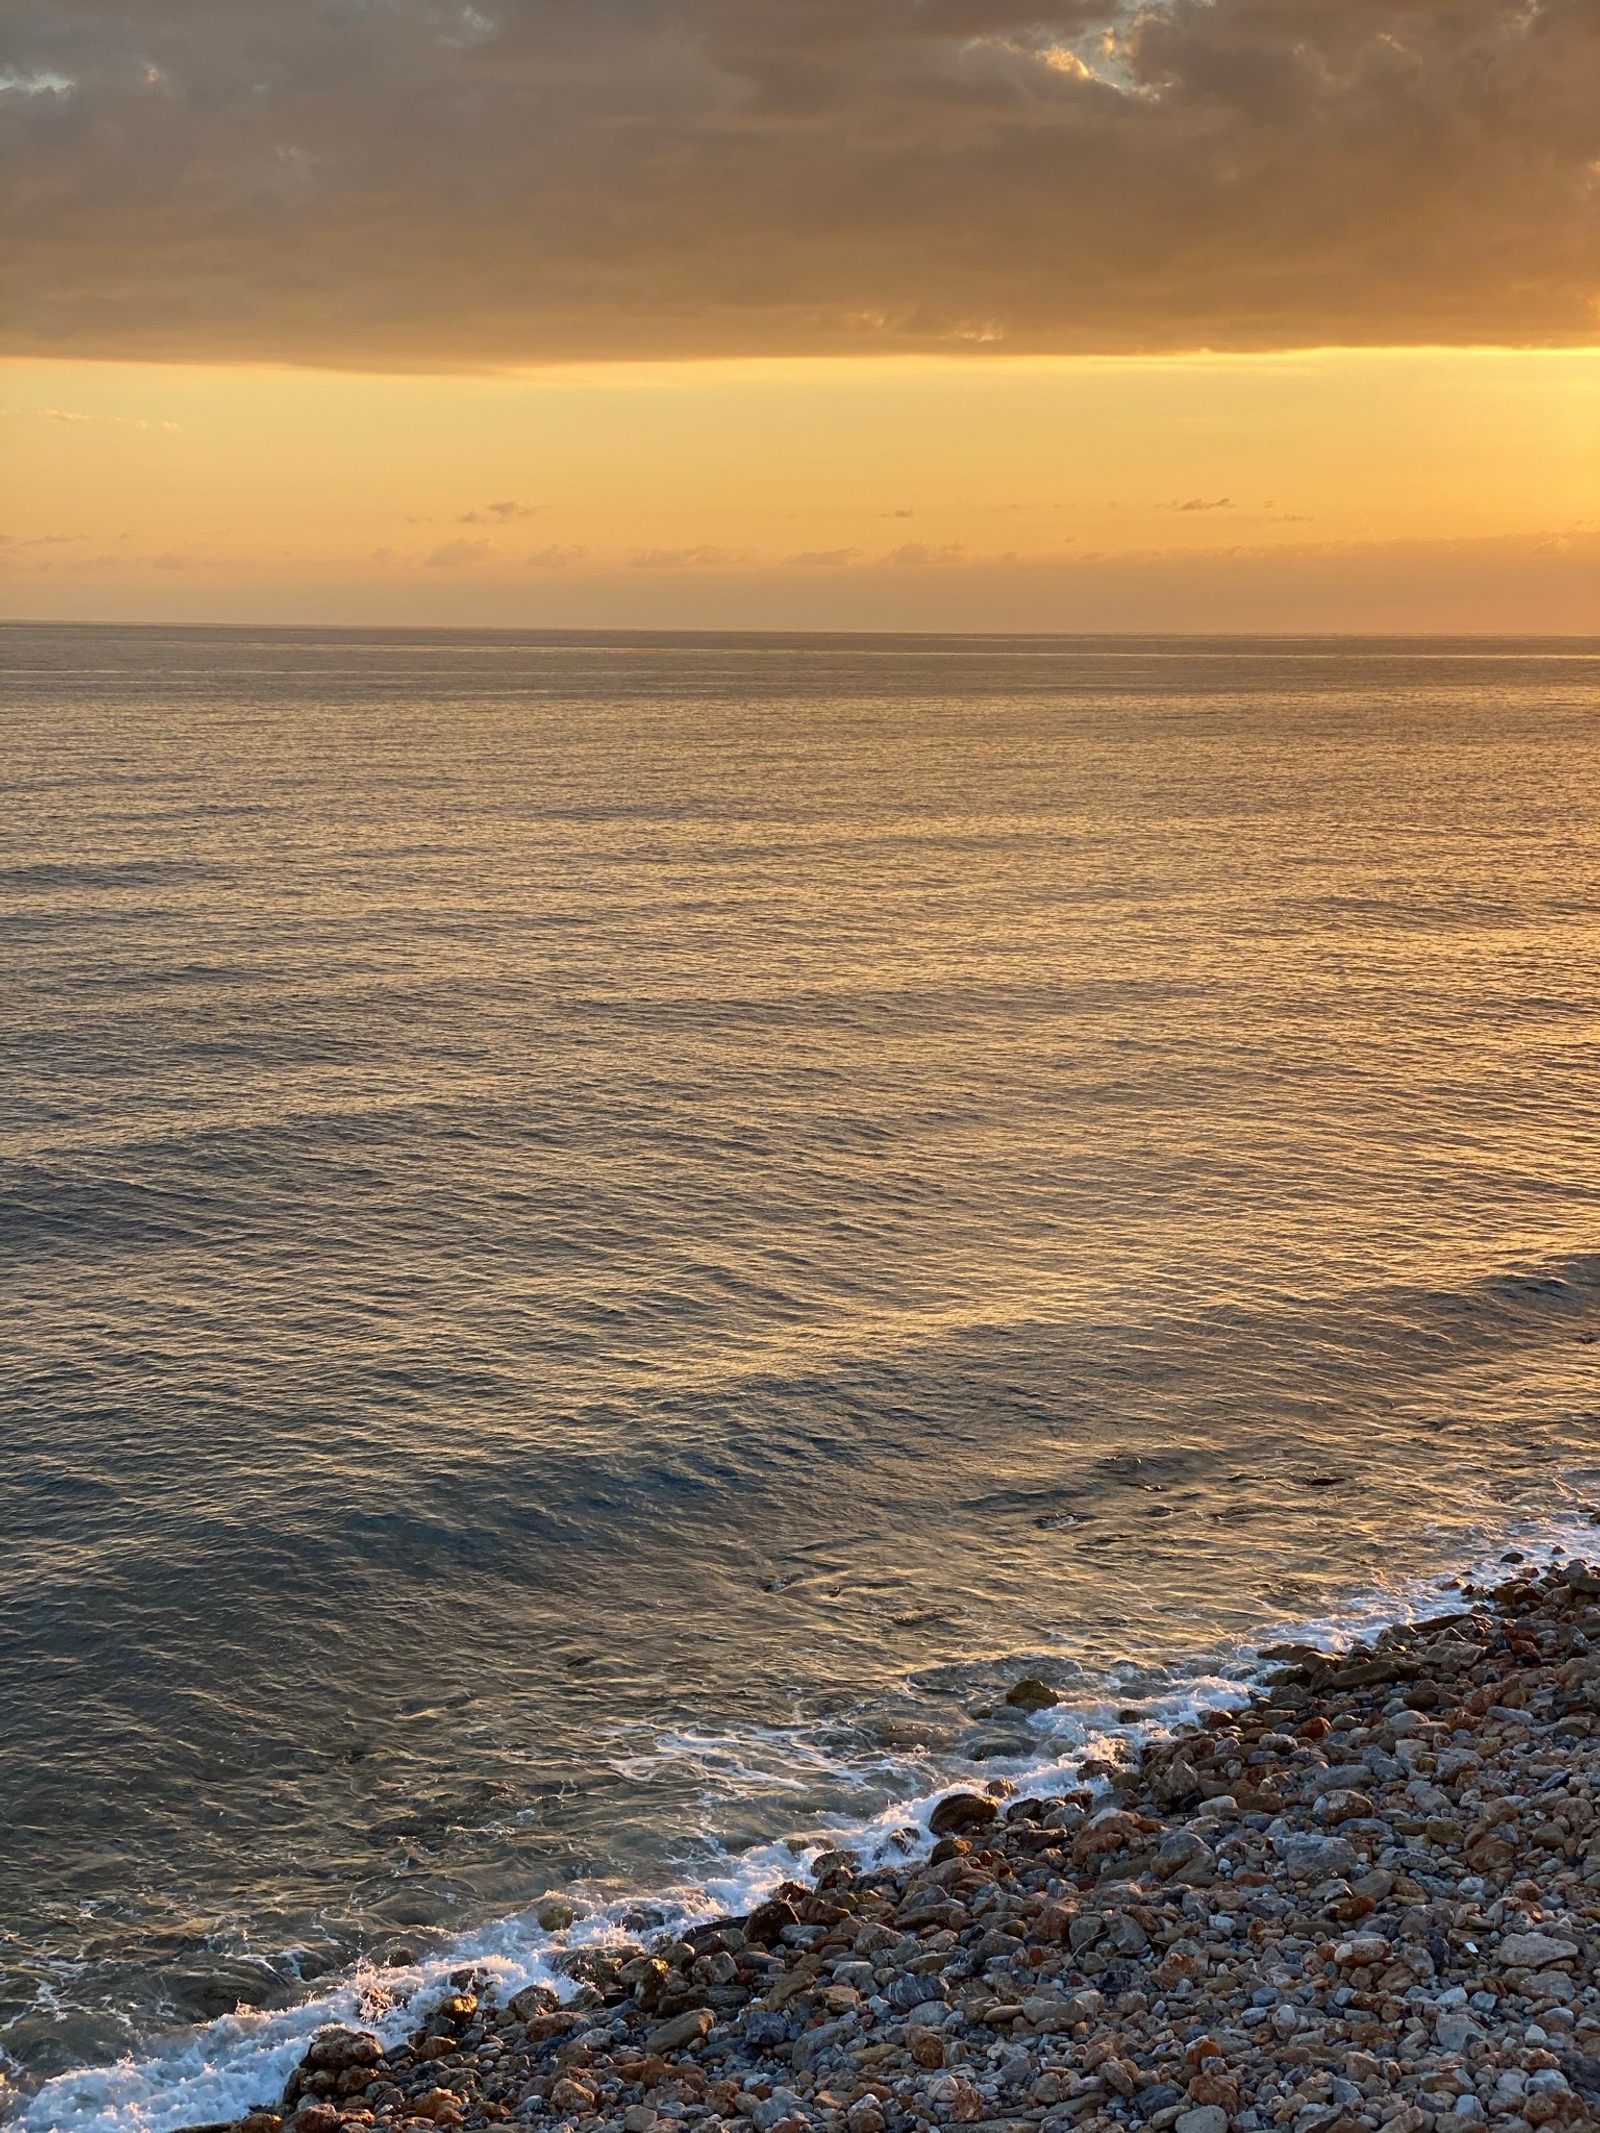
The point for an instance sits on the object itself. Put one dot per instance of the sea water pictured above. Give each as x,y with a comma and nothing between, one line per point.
607,1236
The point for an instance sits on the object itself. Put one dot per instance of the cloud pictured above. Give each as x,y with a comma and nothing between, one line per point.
422,183
702,557
72,415
498,514
459,555
921,553
558,556
1204,503
827,558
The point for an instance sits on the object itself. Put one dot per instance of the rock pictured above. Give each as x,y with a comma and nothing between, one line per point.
962,1810
1175,1784
684,2029
767,1921
1455,2029
1336,1807
1031,1695
567,2095
765,2030
317,2117
1362,1948
1205,2118
338,2049
533,2000
912,1989
1181,1855
1325,1858
954,2099
638,2118
1534,1951
773,2110
1160,2096
1127,1936
555,1914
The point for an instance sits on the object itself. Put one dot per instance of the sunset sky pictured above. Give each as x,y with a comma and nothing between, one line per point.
895,313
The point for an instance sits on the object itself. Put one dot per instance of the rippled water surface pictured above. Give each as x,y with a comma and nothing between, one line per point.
604,1234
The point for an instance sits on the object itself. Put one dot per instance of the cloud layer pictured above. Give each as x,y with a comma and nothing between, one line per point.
428,182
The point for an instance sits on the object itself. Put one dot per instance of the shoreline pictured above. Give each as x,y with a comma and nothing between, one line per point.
1369,1896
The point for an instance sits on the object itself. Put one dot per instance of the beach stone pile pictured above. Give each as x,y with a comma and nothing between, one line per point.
1369,1898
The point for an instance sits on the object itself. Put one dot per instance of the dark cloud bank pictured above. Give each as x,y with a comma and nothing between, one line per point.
430,182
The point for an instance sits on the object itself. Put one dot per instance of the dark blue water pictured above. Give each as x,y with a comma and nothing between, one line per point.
603,1234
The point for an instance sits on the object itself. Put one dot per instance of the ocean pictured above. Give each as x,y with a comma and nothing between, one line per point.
607,1236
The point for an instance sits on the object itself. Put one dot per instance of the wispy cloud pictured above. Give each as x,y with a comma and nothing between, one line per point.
1203,503
498,514
827,558
459,555
703,556
921,553
558,556
37,81
74,416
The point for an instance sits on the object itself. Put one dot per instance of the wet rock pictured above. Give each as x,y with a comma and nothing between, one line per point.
1031,1695
962,1810
339,2049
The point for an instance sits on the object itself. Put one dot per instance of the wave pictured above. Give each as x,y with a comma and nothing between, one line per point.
218,2070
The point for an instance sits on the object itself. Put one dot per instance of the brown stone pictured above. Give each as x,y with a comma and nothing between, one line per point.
767,1921
962,1810
568,2095
338,2048
684,2029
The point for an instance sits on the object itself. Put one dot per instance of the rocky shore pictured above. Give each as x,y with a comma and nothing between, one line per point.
1369,1898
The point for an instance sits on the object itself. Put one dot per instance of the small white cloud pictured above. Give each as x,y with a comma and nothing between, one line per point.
558,556
36,81
120,422
470,29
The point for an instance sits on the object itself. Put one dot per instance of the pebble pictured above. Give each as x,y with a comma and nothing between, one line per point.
1390,1922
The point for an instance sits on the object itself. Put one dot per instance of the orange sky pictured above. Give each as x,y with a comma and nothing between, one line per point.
1375,489
857,313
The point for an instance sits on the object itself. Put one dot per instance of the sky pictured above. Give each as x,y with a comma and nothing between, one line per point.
1234,314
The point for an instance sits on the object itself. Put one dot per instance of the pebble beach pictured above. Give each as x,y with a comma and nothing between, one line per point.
1370,1897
